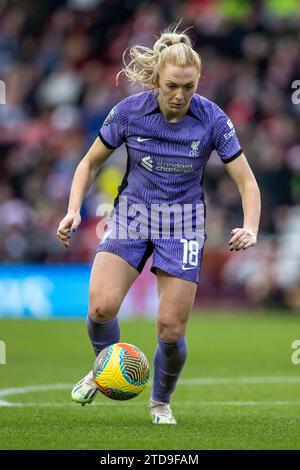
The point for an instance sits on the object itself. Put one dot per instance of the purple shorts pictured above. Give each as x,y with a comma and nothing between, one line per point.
178,257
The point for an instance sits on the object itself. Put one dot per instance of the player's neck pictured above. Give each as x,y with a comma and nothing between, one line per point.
172,117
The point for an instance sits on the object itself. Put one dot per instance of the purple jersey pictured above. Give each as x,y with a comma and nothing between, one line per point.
165,167
166,160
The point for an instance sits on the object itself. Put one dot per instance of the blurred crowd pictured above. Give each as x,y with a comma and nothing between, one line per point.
58,61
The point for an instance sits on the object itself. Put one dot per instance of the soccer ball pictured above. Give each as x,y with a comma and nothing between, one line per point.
121,371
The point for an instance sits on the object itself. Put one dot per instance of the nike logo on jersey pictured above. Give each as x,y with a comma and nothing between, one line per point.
141,139
186,268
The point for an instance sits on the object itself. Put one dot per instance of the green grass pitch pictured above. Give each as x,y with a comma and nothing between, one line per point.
239,388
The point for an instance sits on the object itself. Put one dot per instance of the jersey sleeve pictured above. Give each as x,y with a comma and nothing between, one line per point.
113,132
225,140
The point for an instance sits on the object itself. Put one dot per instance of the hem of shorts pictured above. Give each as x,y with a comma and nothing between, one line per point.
106,250
179,276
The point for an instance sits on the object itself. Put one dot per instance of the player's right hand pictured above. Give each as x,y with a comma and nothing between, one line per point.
68,225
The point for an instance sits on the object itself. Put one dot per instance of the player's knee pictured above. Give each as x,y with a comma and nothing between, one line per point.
103,309
170,331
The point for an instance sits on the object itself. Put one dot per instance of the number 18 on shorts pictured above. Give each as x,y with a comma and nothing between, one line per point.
190,257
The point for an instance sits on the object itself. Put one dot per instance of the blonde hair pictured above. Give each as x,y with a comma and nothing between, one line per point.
171,47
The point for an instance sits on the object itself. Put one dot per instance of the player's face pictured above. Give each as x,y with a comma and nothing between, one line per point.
176,88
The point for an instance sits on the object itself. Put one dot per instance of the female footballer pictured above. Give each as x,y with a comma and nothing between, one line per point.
170,132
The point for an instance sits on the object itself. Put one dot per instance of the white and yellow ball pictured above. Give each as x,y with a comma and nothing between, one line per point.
121,371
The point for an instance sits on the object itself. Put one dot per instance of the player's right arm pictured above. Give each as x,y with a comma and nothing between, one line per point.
82,180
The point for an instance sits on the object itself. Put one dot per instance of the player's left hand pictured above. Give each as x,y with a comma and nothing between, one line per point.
242,238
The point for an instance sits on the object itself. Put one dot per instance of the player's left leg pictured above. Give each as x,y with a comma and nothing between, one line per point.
176,299
111,278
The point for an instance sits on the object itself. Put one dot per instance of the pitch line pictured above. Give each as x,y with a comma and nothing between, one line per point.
104,404
290,379
32,388
6,392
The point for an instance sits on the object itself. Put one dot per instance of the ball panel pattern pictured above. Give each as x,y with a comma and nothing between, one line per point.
136,372
102,360
117,394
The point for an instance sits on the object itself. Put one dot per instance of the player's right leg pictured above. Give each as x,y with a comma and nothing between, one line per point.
111,278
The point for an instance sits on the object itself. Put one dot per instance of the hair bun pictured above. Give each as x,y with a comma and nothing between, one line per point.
170,39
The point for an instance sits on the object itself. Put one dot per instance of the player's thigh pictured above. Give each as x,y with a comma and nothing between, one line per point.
176,300
111,278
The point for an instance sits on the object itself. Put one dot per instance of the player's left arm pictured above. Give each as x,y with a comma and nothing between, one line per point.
242,175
